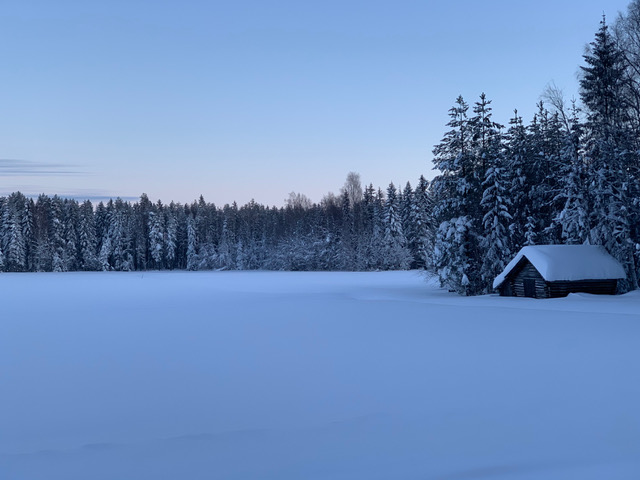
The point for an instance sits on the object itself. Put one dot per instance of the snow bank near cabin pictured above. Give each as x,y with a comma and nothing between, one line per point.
567,262
260,375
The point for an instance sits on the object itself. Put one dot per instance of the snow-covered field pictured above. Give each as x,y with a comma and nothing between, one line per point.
256,375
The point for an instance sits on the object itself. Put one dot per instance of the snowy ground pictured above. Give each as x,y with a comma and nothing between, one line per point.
234,375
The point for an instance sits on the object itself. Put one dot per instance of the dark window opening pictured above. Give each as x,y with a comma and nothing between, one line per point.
529,288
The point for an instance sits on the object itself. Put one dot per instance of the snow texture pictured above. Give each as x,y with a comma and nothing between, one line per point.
567,262
288,376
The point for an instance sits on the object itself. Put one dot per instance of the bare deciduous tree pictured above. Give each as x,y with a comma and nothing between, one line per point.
353,187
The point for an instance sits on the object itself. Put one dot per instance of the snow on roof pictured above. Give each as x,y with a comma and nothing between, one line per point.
567,262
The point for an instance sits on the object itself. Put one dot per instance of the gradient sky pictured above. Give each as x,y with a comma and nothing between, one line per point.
254,99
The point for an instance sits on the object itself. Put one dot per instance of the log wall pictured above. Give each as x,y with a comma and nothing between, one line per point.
529,272
598,287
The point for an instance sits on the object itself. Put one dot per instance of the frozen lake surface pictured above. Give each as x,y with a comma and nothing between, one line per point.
270,375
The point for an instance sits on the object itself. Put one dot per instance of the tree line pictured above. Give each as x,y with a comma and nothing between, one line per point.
357,230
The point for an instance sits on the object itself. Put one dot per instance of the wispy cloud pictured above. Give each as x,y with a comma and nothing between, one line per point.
80,194
21,168
97,196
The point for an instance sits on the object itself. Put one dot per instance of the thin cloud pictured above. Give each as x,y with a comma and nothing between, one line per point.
80,194
22,168
97,197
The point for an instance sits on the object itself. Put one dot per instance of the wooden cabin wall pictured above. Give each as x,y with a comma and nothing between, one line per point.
529,272
599,287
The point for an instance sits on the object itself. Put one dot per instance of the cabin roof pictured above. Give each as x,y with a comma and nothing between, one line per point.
567,262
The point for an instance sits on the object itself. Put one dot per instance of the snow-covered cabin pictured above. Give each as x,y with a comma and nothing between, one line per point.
544,271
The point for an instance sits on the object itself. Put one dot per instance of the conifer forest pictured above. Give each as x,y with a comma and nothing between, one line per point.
569,175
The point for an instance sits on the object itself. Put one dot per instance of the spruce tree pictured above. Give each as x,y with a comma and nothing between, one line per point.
192,253
171,237
225,258
156,234
71,236
517,154
56,236
396,254
88,239
408,225
496,244
573,218
423,225
14,241
609,153
456,191
543,174
28,232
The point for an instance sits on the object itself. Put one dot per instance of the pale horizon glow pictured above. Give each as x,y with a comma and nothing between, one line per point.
252,100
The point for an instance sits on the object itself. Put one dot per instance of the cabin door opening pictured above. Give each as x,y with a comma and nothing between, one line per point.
530,287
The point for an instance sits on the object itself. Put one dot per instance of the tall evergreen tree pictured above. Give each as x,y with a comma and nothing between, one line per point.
455,238
546,142
609,153
517,155
192,252
463,157
396,254
28,232
88,239
408,225
496,244
57,244
71,236
573,218
171,237
156,234
423,224
143,255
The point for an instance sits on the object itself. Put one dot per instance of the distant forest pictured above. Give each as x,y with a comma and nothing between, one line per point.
570,176
356,231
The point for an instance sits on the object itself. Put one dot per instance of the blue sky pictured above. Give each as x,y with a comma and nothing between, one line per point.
255,99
